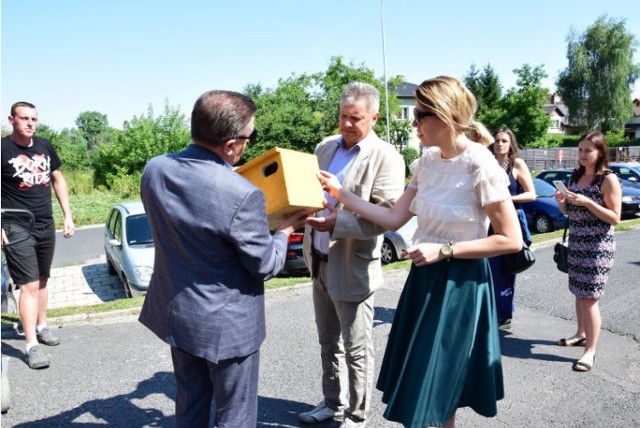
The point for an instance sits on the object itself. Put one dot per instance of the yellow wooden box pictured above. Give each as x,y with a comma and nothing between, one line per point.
288,180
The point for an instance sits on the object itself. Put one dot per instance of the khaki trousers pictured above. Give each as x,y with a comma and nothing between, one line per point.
346,346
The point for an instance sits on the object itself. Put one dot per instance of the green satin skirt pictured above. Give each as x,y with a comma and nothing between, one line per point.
443,350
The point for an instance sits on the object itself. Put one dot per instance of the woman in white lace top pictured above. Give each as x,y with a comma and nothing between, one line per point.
443,351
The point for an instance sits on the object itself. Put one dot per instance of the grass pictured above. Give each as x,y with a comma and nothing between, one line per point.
275,283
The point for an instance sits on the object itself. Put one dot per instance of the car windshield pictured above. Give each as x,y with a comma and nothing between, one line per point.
543,189
138,230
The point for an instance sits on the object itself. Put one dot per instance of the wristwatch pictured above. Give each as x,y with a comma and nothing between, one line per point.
447,250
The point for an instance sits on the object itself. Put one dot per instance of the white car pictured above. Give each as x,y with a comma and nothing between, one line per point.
128,244
395,242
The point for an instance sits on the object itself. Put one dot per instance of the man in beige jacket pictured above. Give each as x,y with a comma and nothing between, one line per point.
342,251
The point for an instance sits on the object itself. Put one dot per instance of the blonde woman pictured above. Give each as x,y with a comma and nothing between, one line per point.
443,351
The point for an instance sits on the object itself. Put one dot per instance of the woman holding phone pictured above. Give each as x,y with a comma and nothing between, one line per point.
593,203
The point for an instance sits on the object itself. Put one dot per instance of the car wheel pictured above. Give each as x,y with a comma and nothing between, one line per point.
110,268
127,288
388,253
9,304
542,224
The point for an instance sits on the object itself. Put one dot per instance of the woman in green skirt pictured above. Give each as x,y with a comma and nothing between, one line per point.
443,350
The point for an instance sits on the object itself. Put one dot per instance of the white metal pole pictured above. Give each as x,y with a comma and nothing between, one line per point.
384,66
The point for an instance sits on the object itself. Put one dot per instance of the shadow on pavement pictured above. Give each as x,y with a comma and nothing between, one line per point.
523,348
119,410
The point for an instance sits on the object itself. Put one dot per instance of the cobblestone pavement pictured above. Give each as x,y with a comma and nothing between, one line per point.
83,284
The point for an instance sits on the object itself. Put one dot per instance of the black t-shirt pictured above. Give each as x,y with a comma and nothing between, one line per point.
26,178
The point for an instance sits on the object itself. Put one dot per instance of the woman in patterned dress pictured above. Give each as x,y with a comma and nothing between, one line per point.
443,350
593,203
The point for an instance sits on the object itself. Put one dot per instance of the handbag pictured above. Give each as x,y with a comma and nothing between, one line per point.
515,263
561,252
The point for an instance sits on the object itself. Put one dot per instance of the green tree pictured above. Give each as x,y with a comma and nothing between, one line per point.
524,107
304,109
94,127
141,139
596,85
487,89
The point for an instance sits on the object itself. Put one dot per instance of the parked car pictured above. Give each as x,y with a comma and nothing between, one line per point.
128,244
543,214
395,242
294,263
630,192
629,173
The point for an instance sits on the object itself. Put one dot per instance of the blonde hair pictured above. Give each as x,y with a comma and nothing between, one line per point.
451,101
479,133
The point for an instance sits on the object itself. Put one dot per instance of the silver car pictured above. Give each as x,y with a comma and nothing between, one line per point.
395,242
128,244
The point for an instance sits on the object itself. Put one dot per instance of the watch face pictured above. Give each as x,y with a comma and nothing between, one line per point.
446,249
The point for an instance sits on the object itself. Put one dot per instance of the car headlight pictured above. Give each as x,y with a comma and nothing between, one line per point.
627,199
144,273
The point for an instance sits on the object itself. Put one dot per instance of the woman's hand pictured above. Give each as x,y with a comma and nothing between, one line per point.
330,184
423,254
577,199
560,197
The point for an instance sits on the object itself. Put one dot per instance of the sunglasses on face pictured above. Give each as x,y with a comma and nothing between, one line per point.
253,136
419,114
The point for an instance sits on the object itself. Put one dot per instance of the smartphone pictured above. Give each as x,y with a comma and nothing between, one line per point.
560,186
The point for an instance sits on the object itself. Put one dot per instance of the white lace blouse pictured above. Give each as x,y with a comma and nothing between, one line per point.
451,194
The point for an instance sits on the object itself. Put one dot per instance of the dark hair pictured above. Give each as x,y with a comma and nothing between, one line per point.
598,140
219,116
20,104
514,148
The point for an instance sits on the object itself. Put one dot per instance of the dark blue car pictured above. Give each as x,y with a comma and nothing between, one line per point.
630,184
543,214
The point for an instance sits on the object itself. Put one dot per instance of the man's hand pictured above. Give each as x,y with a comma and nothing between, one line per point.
324,224
4,237
69,228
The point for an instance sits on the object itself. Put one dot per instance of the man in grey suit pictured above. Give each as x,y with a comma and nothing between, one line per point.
343,253
213,253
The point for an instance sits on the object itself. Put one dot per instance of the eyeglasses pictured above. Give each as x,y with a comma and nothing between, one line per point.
253,136
419,114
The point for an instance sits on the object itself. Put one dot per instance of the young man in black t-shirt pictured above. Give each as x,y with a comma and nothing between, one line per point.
30,167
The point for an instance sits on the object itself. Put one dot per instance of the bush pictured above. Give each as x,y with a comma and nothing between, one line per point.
409,154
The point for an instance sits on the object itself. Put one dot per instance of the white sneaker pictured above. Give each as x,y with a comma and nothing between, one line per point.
320,414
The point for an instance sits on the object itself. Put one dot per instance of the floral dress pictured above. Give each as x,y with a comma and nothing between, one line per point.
591,245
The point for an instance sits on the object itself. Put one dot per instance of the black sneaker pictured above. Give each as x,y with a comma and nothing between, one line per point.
46,337
36,358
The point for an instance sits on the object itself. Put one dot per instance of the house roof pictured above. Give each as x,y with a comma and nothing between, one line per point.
406,89
550,108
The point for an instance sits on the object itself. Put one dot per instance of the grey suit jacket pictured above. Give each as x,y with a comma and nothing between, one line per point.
376,175
213,251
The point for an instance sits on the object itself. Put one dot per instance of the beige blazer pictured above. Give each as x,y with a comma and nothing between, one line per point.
377,175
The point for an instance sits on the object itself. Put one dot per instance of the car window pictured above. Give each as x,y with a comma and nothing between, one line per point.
543,189
549,176
117,227
138,230
111,221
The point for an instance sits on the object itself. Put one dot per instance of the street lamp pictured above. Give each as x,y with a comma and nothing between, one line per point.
384,67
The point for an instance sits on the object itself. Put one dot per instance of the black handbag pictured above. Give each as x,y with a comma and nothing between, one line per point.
515,263
561,252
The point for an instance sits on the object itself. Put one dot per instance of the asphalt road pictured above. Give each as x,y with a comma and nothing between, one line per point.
115,372
87,243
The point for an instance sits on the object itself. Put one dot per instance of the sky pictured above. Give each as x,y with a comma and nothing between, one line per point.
119,57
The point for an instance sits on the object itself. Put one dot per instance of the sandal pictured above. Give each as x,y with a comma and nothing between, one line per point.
581,366
572,341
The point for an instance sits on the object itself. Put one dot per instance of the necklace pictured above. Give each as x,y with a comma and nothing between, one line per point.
505,164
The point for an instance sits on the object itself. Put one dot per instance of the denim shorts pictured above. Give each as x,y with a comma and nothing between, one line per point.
30,259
